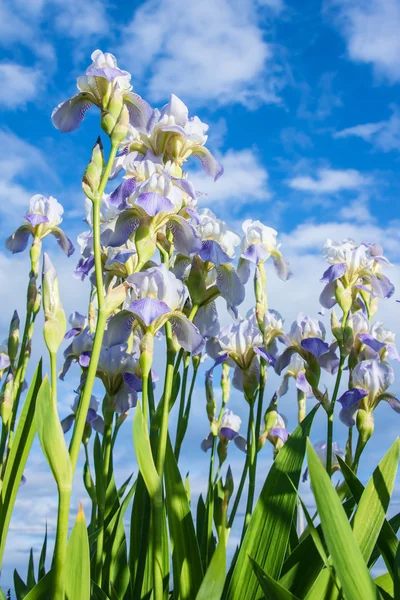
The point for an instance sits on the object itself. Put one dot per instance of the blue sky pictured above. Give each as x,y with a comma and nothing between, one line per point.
301,102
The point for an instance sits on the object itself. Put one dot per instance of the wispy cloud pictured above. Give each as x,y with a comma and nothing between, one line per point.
19,84
214,51
383,135
371,30
318,103
329,181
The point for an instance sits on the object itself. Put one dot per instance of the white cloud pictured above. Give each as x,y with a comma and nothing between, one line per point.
329,181
18,84
212,51
371,30
357,211
319,101
244,180
384,135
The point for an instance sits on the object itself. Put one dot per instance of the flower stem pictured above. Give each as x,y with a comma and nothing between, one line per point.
241,486
107,447
180,424
252,454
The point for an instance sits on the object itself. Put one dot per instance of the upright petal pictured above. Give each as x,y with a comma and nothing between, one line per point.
120,195
334,272
140,112
255,253
147,310
68,115
35,219
18,241
153,203
186,240
125,399
281,265
211,251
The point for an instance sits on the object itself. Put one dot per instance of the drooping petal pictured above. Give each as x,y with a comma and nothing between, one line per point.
279,432
186,185
71,333
334,272
211,251
120,229
4,361
18,241
351,397
228,432
327,298
393,402
67,423
267,356
255,253
329,361
209,163
125,399
206,320
347,416
91,415
83,268
281,265
84,359
133,381
315,345
120,195
189,337
221,358
370,341
244,270
186,240
207,443
147,310
153,203
98,424
119,329
284,359
241,443
392,352
284,386
302,383
229,284
63,241
68,115
140,112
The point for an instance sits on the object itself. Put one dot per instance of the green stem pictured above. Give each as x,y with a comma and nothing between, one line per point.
239,493
252,452
209,507
107,446
180,423
187,413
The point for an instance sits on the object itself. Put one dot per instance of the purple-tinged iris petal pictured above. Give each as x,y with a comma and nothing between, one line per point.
18,241
193,213
98,425
83,268
153,203
327,298
392,352
316,346
121,257
71,333
91,415
63,241
370,341
34,219
211,251
381,286
120,195
267,356
206,320
67,423
148,310
228,432
255,253
351,397
244,270
84,359
66,366
282,266
209,164
241,443
186,185
109,73
189,337
218,361
4,362
329,361
284,359
302,383
122,227
133,381
68,115
125,399
207,443
141,115
279,432
119,329
334,272
229,284
347,415
186,240
393,403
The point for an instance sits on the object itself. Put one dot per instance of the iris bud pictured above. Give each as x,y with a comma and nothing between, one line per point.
6,398
146,353
114,298
13,337
365,425
222,451
343,296
144,242
121,127
229,484
55,324
35,252
92,176
211,405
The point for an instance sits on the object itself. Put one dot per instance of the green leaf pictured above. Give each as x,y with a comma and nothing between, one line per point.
21,446
271,588
21,589
51,436
43,589
42,559
77,567
213,583
200,517
396,574
186,560
2,595
385,582
97,593
140,539
144,455
30,579
346,555
374,502
387,541
272,518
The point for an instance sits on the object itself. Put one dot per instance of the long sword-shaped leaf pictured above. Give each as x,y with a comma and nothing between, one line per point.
186,561
213,583
78,561
348,561
271,588
18,456
42,590
268,532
